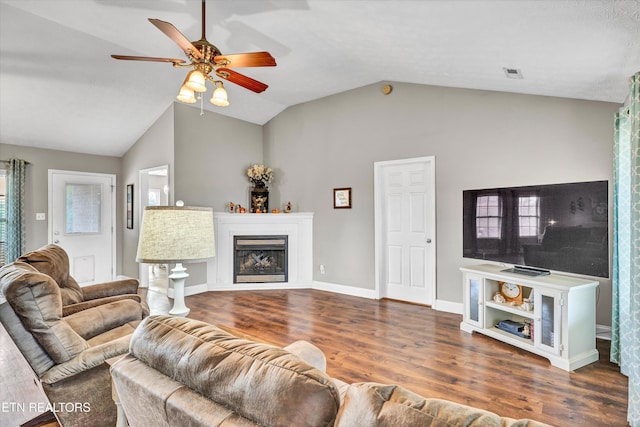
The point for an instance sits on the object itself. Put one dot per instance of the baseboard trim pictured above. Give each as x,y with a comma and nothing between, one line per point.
345,290
189,290
439,305
448,306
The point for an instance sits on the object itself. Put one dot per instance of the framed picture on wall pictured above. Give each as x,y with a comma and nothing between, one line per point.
342,198
130,206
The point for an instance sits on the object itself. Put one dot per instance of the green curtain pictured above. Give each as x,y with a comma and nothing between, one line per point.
16,172
625,343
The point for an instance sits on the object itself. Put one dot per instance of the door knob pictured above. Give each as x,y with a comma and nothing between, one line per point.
428,240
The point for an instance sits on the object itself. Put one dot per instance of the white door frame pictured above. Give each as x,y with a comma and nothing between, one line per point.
112,178
143,202
379,220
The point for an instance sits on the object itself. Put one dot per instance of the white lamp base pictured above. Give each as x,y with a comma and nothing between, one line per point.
177,277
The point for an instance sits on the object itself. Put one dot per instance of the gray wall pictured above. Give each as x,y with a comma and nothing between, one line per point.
41,160
210,157
154,148
207,156
479,139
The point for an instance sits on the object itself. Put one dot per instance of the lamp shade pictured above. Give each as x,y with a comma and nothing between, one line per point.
186,95
220,97
195,81
171,234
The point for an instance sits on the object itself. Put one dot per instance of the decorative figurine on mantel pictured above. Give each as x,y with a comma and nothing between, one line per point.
287,207
259,176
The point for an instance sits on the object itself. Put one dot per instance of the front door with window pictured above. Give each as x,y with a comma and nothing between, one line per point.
82,222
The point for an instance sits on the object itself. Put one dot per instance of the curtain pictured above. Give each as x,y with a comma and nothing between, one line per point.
625,343
16,171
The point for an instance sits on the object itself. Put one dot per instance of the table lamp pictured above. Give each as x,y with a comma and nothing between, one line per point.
176,235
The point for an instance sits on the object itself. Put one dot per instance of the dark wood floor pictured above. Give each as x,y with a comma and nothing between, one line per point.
425,351
393,342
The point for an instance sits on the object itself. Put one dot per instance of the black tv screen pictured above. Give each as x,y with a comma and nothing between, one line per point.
558,227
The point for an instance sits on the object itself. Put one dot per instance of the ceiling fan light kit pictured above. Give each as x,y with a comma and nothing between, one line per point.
186,95
219,96
205,59
195,81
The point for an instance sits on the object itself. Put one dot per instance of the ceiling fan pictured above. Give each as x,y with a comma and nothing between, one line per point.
206,59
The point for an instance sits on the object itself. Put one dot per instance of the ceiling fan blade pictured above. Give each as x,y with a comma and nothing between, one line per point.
251,59
241,79
149,58
175,35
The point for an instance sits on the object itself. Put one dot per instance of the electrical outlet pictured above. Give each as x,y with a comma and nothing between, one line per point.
40,216
322,271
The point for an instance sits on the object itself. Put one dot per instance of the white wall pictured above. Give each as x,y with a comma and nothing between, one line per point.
480,139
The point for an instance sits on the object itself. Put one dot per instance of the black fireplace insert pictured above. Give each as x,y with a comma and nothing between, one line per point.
260,259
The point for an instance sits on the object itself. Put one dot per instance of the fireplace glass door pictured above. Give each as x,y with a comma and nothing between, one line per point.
260,259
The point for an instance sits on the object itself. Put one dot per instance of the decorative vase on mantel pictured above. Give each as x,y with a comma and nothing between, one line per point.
259,198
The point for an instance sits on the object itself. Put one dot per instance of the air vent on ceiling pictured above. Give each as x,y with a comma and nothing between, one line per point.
512,73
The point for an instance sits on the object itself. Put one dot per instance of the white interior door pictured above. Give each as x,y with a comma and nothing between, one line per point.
405,229
82,222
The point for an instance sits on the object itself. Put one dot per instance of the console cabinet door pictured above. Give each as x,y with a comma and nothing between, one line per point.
474,295
547,331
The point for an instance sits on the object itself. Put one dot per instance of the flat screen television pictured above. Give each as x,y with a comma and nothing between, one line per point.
556,227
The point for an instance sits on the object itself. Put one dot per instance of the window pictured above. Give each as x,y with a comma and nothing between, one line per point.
3,216
528,216
83,208
489,217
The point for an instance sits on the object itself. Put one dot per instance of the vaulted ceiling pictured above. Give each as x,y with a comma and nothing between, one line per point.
60,89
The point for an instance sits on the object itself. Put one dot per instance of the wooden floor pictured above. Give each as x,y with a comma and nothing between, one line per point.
425,351
392,342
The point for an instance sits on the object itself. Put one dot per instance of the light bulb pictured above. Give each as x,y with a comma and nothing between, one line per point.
220,97
186,95
195,81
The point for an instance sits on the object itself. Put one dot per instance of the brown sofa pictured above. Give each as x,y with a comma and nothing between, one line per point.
53,261
182,372
67,353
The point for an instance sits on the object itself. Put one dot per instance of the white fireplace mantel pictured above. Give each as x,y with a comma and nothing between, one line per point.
297,226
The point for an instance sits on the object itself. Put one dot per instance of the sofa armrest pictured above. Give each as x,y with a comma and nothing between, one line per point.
309,353
70,309
87,359
97,320
108,289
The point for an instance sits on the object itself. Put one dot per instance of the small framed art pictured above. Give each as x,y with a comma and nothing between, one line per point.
342,198
130,206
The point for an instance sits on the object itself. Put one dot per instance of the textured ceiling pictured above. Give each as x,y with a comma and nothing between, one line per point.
60,89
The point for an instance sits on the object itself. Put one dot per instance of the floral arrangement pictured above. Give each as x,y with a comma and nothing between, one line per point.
260,175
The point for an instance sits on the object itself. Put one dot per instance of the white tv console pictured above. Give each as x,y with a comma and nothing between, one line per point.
563,317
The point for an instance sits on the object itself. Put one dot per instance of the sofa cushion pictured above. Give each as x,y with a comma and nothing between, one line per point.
103,318
53,261
30,348
35,298
264,384
380,405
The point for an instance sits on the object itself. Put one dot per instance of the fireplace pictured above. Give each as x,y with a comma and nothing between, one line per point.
297,226
260,259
